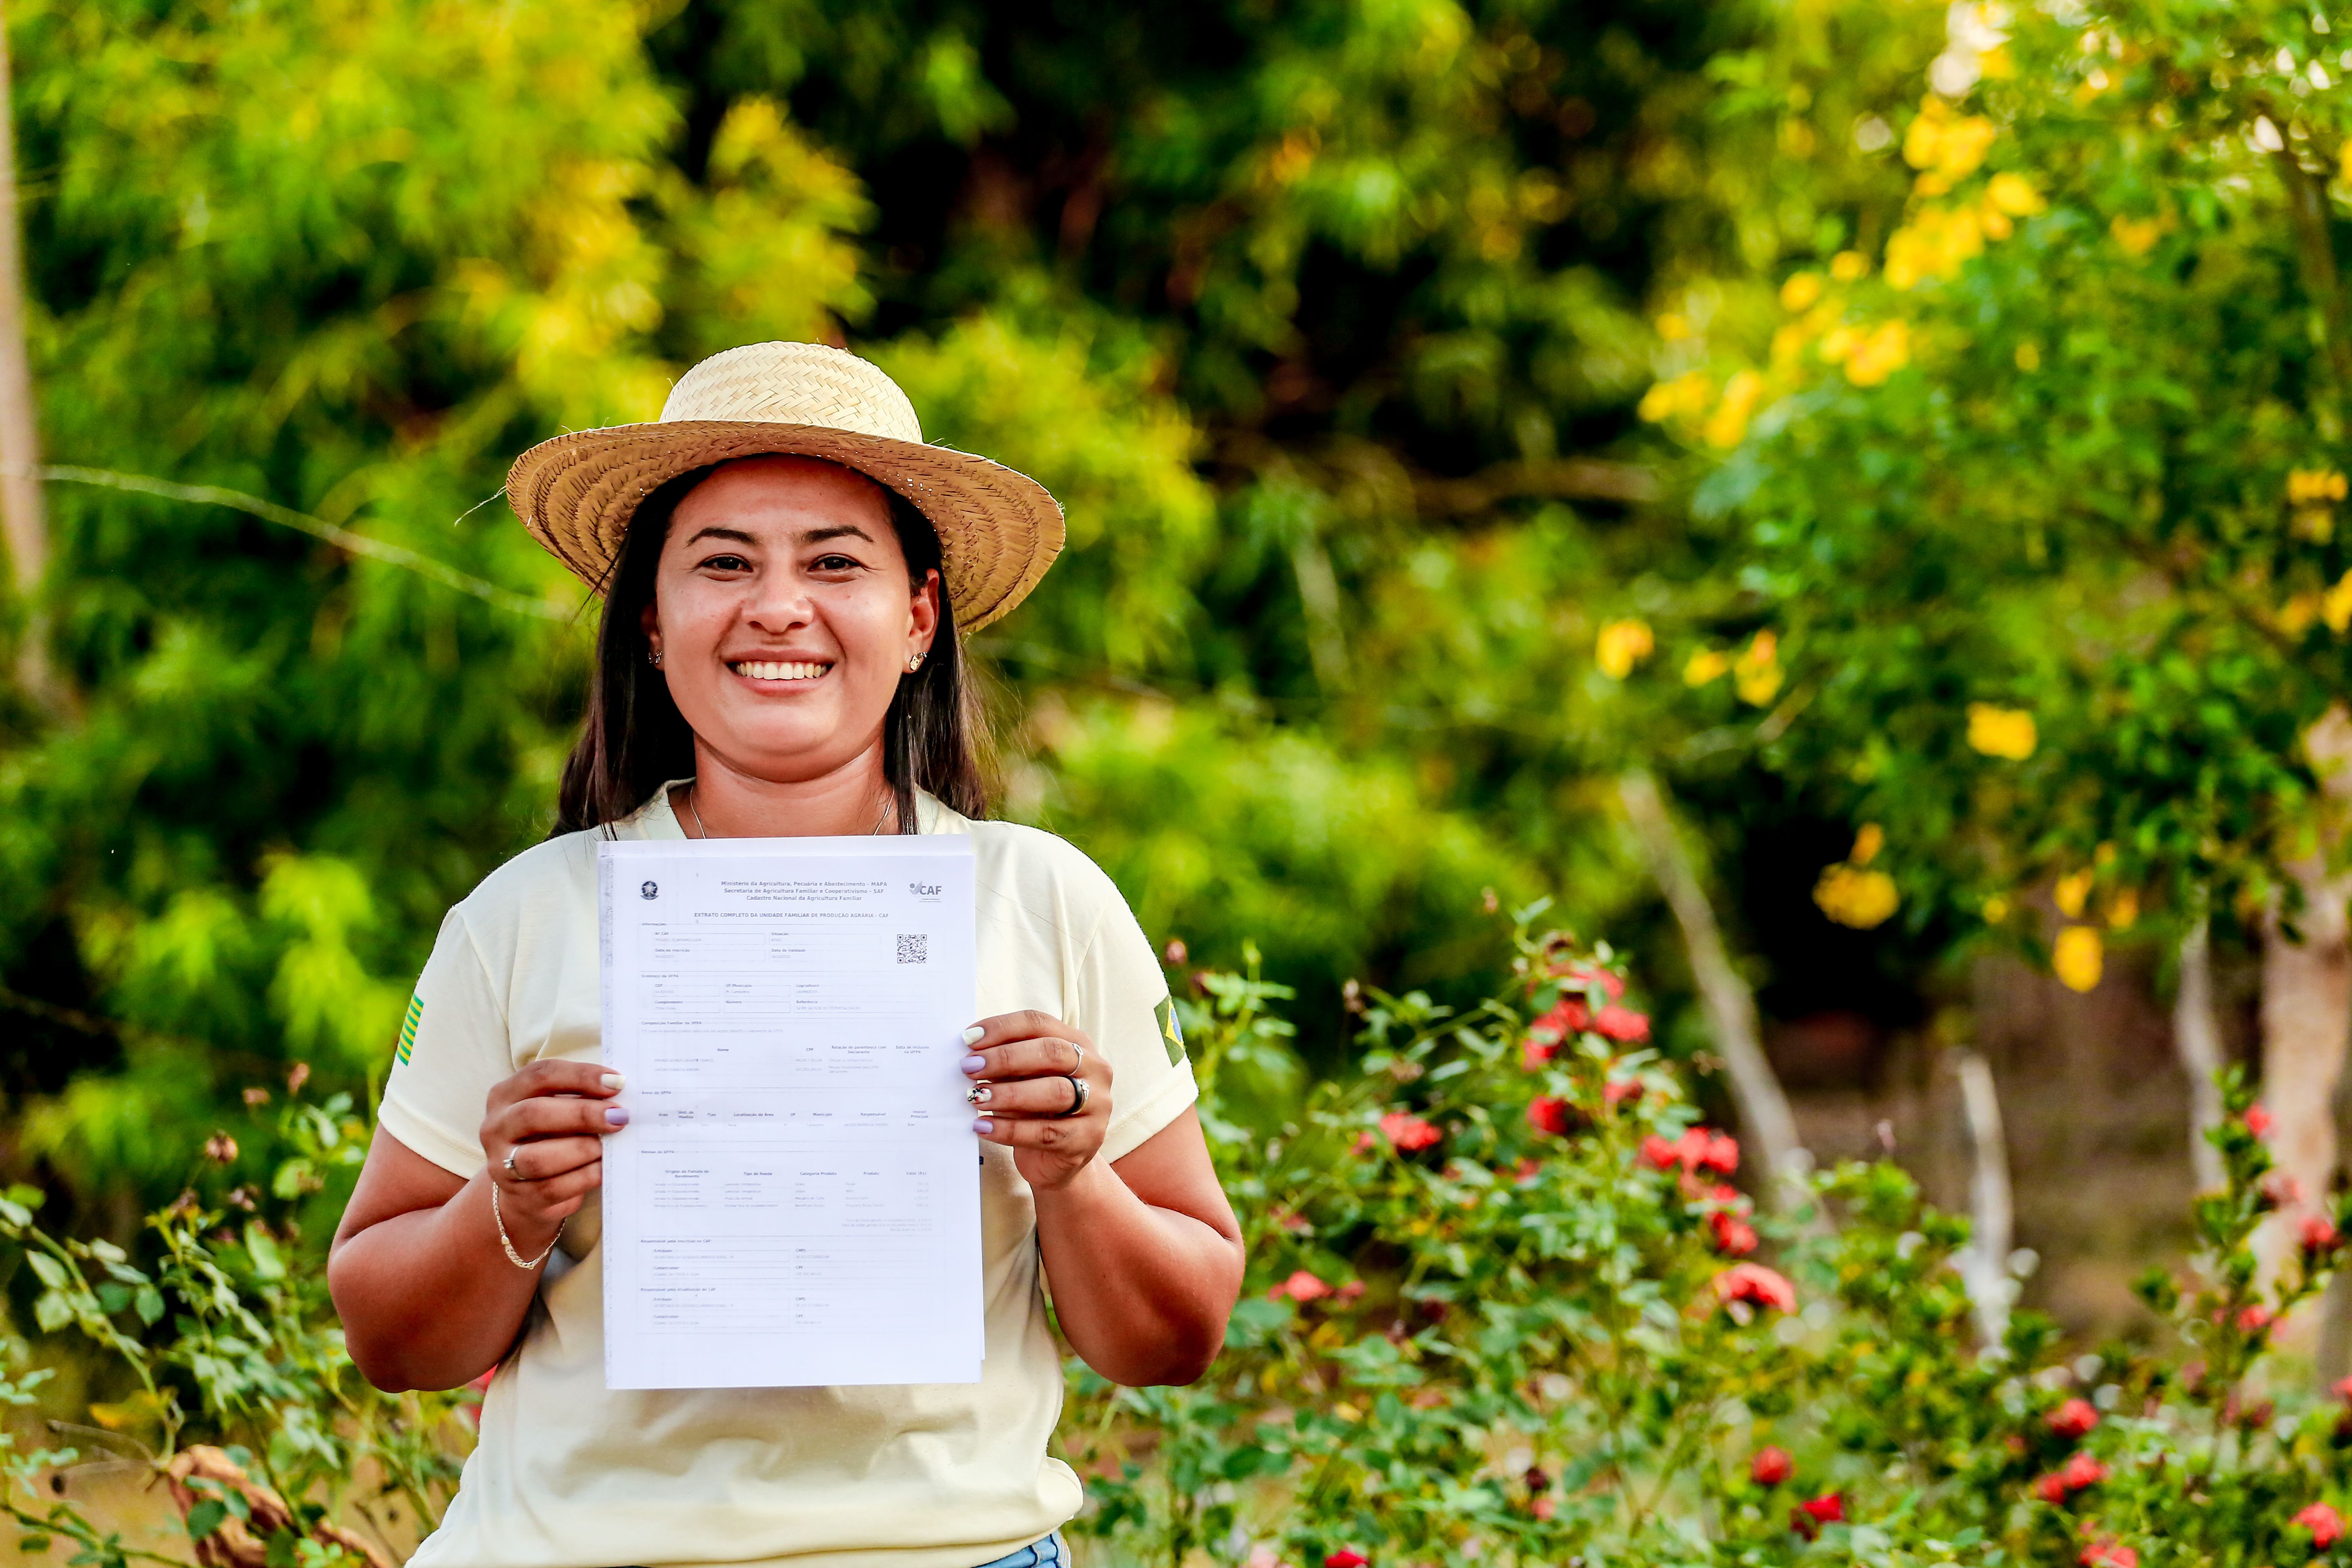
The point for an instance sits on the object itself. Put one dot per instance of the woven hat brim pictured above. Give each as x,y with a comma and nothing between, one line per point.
998,530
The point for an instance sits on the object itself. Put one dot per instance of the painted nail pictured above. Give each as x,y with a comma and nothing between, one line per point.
979,1094
613,1081
975,1064
983,1125
973,1034
617,1115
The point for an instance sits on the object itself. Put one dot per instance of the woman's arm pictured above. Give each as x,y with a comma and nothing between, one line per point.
428,1298
1144,1255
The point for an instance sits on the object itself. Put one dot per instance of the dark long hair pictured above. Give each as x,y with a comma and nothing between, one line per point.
634,738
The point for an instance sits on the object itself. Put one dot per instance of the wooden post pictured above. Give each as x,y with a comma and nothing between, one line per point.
21,510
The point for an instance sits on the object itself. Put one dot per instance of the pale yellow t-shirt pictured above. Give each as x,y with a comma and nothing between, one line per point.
568,1474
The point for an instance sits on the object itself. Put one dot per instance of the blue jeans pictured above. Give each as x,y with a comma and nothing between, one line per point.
1050,1552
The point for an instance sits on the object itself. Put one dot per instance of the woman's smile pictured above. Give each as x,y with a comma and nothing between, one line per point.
778,673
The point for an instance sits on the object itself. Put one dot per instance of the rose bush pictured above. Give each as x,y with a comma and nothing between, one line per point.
1505,1306
1545,1329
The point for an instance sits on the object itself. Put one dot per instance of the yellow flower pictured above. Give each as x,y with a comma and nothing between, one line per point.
2139,236
1757,672
1867,844
1944,150
1706,665
1879,355
1673,327
2078,957
2123,909
2305,486
2014,194
1853,897
1621,646
2070,891
1801,291
1730,420
1684,395
2336,605
1995,910
1849,266
2029,357
1838,343
2295,616
2001,731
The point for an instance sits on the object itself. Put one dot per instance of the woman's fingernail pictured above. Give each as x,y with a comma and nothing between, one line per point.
618,1115
613,1081
979,1094
975,1064
983,1125
972,1035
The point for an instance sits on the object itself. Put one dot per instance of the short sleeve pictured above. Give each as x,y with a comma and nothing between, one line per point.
1123,1003
453,1049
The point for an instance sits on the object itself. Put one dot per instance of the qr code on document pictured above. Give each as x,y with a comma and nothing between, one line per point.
914,948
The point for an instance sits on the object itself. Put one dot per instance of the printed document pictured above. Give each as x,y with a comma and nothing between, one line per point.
796,1198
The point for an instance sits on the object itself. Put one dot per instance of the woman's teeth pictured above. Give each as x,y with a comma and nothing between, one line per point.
762,671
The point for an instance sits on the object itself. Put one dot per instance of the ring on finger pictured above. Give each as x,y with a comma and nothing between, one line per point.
1077,1098
513,1174
1080,1065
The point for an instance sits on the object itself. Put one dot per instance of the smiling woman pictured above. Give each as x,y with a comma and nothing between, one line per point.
784,561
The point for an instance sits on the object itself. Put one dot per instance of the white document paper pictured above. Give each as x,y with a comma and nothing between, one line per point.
796,1201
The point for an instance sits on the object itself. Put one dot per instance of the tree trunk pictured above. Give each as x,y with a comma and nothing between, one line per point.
1731,1004
20,455
1985,1265
2307,995
2197,1035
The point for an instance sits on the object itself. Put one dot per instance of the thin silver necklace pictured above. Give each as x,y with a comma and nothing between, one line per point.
702,832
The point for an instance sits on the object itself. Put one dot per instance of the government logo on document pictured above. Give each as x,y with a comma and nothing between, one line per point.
649,891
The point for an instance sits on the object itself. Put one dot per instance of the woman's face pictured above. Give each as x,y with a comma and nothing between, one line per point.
784,616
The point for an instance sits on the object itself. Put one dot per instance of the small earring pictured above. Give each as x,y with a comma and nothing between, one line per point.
654,658
914,662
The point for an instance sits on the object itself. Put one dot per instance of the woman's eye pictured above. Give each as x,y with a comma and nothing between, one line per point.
727,563
834,564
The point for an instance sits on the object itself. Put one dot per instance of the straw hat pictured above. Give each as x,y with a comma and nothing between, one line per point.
998,530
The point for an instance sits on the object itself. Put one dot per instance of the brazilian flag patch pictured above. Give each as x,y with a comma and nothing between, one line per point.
408,1028
1171,1034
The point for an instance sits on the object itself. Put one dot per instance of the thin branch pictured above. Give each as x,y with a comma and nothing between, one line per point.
317,528
2197,1035
1985,1265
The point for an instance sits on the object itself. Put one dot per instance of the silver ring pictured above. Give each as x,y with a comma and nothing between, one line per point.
511,1172
1078,1086
1080,1065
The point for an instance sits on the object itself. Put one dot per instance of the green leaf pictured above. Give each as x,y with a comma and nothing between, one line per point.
148,1302
52,1311
47,1269
205,1517
268,1262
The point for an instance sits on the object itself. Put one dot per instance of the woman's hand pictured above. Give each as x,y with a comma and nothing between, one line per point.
1022,1064
553,1117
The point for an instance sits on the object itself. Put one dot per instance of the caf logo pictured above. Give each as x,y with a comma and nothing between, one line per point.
650,891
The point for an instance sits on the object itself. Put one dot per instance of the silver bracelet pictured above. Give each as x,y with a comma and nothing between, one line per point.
516,1258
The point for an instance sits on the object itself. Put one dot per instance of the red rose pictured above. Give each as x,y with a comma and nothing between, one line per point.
1547,1114
1658,1152
1366,1142
1300,1287
1543,1508
1720,1154
2080,1471
2326,1525
1408,1132
2051,1488
1807,1518
2258,1121
2108,1554
2073,1418
1771,1467
1734,1237
1623,1024
2253,1320
1535,1052
2318,1234
1754,1283
1347,1557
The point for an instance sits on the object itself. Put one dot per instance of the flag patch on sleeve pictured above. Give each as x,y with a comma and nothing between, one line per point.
1172,1033
408,1028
